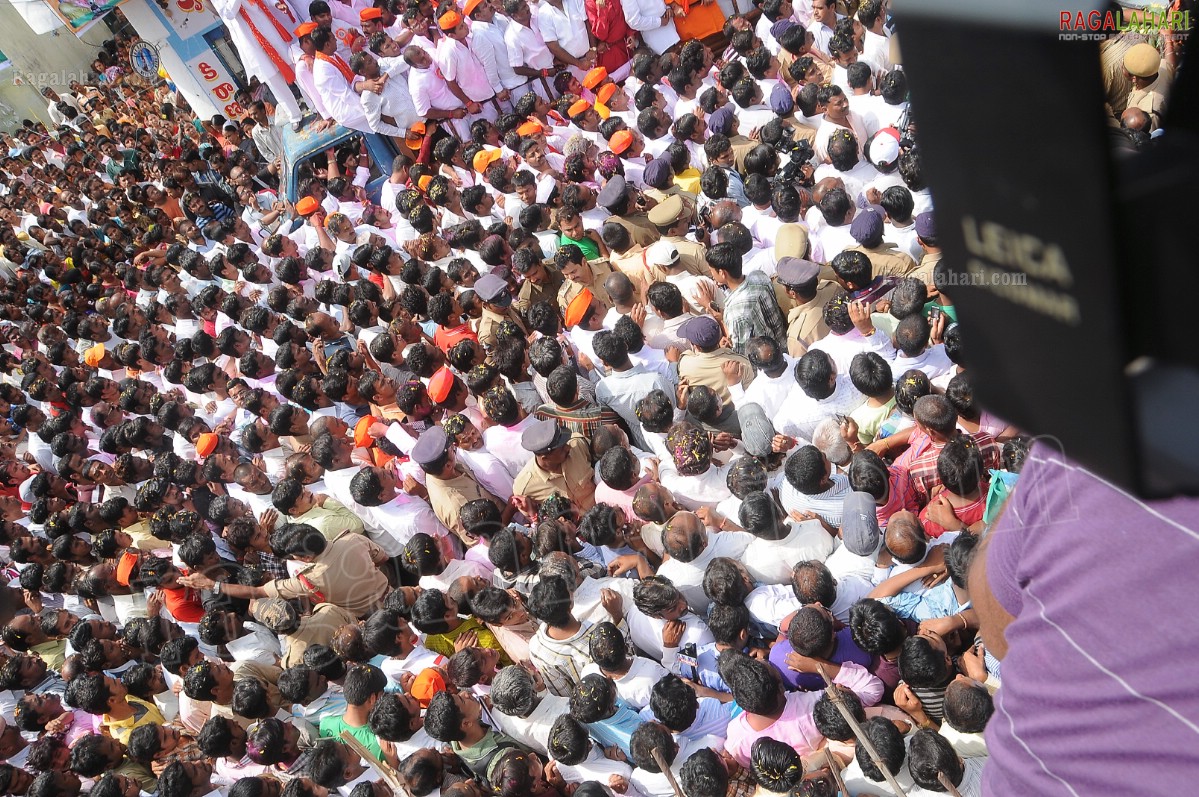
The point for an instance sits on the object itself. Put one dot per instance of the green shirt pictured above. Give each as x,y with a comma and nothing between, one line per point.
331,727
588,247
331,519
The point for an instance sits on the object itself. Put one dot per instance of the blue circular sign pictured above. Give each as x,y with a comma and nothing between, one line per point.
144,58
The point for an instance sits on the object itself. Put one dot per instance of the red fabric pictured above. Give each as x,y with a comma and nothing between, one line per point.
341,65
279,61
183,604
969,514
445,338
608,24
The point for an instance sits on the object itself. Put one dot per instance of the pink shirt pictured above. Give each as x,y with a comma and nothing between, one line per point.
795,725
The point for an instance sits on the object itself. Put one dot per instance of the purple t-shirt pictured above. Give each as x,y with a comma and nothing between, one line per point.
1099,694
844,649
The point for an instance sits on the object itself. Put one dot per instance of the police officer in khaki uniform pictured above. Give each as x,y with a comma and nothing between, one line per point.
885,258
704,365
497,308
805,322
299,633
926,234
343,571
672,219
628,211
542,282
561,463
580,273
450,483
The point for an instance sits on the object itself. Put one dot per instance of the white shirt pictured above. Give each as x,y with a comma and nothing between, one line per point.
876,51
855,179
430,92
833,240
567,27
771,561
459,65
487,42
534,730
504,444
491,473
933,361
338,95
801,414
588,607
704,489
635,686
688,577
396,102
645,17
843,348
769,393
646,633
828,127
526,47
598,767
391,525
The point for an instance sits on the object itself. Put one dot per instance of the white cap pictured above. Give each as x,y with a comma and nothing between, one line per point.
884,147
662,253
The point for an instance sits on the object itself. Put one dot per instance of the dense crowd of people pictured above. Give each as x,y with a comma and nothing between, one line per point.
621,445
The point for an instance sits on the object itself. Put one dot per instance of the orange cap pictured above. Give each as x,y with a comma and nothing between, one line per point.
485,158
305,29
449,20
579,107
470,6
426,684
605,93
307,206
621,140
441,385
125,565
94,355
416,135
362,434
595,77
603,110
370,13
206,443
530,128
423,182
578,307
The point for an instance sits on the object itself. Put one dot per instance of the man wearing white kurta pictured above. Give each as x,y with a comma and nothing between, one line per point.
393,101
238,16
563,25
654,21
333,82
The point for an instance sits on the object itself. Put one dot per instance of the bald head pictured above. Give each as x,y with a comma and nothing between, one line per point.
685,537
654,503
725,212
1135,119
620,289
905,538
824,186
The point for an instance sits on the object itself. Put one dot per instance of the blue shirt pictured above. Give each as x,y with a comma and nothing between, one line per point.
617,729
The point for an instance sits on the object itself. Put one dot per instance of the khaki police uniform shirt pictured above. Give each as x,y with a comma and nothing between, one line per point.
704,368
490,321
632,264
531,294
886,260
570,289
805,323
265,675
316,629
924,271
639,228
447,496
344,575
577,479
692,255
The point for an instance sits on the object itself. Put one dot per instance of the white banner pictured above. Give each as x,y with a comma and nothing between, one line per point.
210,72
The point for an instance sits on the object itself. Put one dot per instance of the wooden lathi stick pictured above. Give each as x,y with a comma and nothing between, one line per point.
834,696
382,767
660,760
947,784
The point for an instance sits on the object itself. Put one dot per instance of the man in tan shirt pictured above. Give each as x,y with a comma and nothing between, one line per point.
1150,80
581,273
704,365
628,209
497,308
673,218
805,322
885,258
298,632
561,464
450,483
343,571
